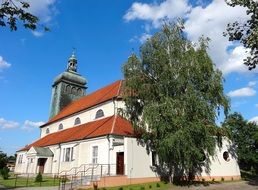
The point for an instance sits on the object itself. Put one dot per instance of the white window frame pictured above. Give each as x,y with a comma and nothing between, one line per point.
68,154
95,150
20,158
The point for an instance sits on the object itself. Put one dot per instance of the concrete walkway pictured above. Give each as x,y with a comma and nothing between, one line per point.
30,188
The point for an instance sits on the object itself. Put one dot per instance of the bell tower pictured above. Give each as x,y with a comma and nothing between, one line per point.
67,87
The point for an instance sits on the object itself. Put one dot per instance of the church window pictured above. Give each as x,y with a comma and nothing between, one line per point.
47,131
60,127
20,159
226,156
68,154
77,121
79,91
99,114
73,90
95,154
154,158
68,88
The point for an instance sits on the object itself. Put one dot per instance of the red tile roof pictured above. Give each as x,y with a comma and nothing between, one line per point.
114,125
102,95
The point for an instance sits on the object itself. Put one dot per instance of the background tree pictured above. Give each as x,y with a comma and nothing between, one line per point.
13,12
244,134
172,95
246,33
3,160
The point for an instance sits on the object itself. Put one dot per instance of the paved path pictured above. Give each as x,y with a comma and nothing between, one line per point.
242,185
30,188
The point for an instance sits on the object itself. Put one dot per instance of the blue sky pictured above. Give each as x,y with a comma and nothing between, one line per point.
104,34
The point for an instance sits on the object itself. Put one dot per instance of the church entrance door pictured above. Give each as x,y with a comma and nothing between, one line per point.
41,164
120,163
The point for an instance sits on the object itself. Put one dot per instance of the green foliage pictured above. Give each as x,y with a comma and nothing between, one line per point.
13,11
247,32
142,188
244,135
39,178
5,173
157,185
173,94
150,186
3,160
120,188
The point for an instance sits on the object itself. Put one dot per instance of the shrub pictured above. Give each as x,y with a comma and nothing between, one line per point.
157,185
222,179
5,173
142,188
39,178
213,180
150,186
120,188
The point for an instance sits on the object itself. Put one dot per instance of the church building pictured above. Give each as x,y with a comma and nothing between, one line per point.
86,136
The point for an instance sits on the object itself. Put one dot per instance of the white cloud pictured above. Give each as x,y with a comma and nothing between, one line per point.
30,125
252,83
210,21
156,13
37,33
5,124
254,119
44,9
246,91
4,64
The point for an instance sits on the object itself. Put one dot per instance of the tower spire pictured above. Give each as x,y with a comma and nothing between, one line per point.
72,62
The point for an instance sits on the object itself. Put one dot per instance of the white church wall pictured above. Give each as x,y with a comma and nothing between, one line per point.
221,167
85,117
138,162
21,162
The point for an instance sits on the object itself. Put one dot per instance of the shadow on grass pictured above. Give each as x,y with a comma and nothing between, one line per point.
252,179
196,183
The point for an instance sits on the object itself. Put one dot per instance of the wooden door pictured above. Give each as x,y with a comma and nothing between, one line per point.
120,163
41,164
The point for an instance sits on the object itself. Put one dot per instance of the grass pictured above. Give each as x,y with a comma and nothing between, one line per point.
22,182
144,186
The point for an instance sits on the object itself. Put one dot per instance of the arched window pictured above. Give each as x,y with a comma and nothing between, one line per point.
47,131
99,114
77,121
79,91
73,90
60,127
68,88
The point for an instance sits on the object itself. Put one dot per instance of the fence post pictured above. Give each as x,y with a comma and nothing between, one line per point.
101,171
27,181
15,180
72,182
92,172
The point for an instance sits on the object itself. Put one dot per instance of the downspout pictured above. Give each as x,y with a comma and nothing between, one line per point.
59,159
108,154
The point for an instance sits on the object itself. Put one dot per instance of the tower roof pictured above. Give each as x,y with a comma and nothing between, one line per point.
72,63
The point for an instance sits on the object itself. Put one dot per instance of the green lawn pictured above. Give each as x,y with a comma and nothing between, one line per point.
22,182
144,186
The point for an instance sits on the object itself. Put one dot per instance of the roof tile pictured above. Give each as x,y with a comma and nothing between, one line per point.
92,129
